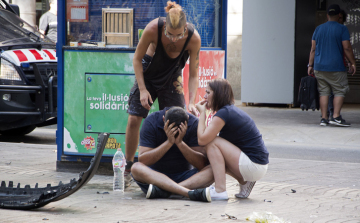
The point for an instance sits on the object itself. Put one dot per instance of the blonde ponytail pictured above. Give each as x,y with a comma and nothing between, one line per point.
175,17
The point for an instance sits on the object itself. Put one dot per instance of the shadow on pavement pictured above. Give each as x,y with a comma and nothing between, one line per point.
43,135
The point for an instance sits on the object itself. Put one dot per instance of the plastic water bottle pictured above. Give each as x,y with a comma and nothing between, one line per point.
119,163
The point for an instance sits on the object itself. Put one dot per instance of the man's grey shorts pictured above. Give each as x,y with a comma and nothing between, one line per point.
337,82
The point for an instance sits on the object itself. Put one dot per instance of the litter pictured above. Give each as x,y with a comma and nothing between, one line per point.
265,217
229,217
27,198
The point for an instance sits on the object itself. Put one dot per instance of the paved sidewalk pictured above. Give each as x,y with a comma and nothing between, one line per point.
325,191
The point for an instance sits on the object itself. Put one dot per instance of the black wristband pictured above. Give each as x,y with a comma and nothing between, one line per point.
128,165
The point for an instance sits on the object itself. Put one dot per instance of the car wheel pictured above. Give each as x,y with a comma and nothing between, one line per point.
19,131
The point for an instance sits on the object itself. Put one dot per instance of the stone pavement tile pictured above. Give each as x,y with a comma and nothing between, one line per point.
325,192
314,173
293,125
308,204
312,202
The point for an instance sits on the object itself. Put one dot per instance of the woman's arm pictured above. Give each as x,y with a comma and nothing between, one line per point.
207,134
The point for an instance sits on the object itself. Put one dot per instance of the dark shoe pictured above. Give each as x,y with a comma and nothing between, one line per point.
155,192
324,122
339,121
202,194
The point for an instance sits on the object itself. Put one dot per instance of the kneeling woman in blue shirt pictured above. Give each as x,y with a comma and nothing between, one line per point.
238,149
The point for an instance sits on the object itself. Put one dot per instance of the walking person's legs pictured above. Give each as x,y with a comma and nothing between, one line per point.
331,105
340,86
324,100
337,118
338,103
324,89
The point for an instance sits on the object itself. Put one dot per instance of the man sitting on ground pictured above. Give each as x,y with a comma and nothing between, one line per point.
169,157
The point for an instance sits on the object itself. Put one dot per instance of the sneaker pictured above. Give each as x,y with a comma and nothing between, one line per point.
215,196
339,121
128,179
324,122
202,194
245,189
155,192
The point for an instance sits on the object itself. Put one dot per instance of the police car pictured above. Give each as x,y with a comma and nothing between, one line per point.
28,75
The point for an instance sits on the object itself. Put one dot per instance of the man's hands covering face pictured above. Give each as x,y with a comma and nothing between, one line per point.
171,131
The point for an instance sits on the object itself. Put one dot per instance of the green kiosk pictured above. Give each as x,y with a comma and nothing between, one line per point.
96,43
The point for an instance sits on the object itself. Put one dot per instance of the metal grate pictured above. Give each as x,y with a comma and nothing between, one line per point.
117,26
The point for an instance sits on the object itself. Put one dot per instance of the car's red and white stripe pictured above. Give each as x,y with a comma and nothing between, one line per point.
31,55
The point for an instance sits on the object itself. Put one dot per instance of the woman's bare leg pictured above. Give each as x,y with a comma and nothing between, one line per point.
223,155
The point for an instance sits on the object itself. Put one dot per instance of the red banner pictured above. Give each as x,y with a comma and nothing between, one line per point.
211,66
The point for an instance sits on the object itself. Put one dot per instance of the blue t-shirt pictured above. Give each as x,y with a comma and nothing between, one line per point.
240,130
152,135
329,50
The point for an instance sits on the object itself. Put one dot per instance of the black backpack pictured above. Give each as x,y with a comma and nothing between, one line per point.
308,94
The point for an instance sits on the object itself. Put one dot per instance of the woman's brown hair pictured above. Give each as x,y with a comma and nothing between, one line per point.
175,17
222,93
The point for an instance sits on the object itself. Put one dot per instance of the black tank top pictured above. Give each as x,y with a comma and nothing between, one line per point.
162,67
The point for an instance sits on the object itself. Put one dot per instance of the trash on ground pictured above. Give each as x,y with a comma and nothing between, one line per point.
267,201
292,190
230,217
265,217
27,198
102,192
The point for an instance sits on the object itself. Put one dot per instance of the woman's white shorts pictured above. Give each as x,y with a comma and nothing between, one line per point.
249,170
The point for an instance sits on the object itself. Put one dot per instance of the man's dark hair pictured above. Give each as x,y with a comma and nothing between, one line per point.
177,115
222,93
344,14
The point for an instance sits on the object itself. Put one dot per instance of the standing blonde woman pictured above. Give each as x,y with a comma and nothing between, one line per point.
238,149
165,46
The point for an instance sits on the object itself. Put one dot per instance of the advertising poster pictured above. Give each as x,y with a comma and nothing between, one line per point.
96,95
211,66
106,103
